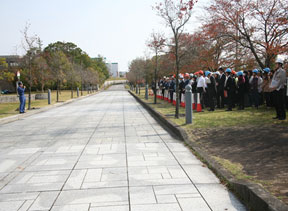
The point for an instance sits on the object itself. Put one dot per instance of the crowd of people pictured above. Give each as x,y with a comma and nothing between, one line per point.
234,89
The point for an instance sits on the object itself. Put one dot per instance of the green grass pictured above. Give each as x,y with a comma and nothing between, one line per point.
218,118
9,109
235,168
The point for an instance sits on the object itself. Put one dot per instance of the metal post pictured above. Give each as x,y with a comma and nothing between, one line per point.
136,88
49,96
77,91
139,89
146,92
188,104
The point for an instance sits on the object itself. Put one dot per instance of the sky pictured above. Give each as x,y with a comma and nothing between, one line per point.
115,29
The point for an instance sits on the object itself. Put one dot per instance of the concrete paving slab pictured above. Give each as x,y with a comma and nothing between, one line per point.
102,153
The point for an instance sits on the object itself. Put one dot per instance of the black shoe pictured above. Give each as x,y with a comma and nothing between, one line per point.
276,117
211,110
229,110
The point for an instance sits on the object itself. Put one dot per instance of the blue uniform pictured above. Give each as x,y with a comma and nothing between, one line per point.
22,99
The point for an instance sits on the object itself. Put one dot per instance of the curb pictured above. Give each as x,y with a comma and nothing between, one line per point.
252,195
16,117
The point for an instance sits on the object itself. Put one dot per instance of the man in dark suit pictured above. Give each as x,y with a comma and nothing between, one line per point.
220,88
230,87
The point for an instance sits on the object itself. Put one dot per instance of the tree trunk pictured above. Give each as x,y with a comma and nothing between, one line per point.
71,89
177,76
57,91
30,84
42,87
29,98
155,80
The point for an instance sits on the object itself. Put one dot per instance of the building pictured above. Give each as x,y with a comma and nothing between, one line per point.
113,69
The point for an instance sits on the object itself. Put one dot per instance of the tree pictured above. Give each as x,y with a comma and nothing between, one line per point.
32,47
137,73
257,25
42,73
5,74
176,15
59,65
156,43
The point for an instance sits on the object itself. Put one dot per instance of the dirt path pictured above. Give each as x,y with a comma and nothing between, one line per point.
262,151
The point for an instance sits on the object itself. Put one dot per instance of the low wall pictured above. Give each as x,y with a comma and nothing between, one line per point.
15,99
41,96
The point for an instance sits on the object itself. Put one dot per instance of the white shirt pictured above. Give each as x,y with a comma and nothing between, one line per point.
201,82
279,79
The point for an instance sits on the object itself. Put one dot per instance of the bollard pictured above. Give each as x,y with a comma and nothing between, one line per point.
188,104
137,89
146,92
49,96
77,91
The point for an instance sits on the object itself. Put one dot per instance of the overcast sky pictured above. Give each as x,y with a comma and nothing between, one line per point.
115,29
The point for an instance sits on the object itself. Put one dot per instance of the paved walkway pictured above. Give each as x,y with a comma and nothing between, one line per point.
102,153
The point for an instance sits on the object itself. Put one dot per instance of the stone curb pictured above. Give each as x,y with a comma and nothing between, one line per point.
252,195
16,117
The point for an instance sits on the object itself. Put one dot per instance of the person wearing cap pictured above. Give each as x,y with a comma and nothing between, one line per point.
266,87
220,88
217,80
211,90
201,87
278,85
241,90
161,85
255,81
22,99
230,87
172,85
181,86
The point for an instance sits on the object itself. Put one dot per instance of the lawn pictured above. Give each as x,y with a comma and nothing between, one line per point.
8,109
218,118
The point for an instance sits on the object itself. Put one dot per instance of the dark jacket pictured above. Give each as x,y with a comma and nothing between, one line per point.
211,87
21,91
172,86
221,82
182,87
230,85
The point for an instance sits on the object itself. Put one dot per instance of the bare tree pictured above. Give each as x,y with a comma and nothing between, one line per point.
176,15
156,43
32,47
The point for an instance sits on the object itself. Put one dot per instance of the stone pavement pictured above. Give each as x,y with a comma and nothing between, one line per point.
102,153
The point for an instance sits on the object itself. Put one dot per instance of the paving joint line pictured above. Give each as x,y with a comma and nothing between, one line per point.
138,105
80,156
126,153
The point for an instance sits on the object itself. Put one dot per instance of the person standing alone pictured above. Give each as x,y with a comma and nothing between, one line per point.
278,84
22,99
